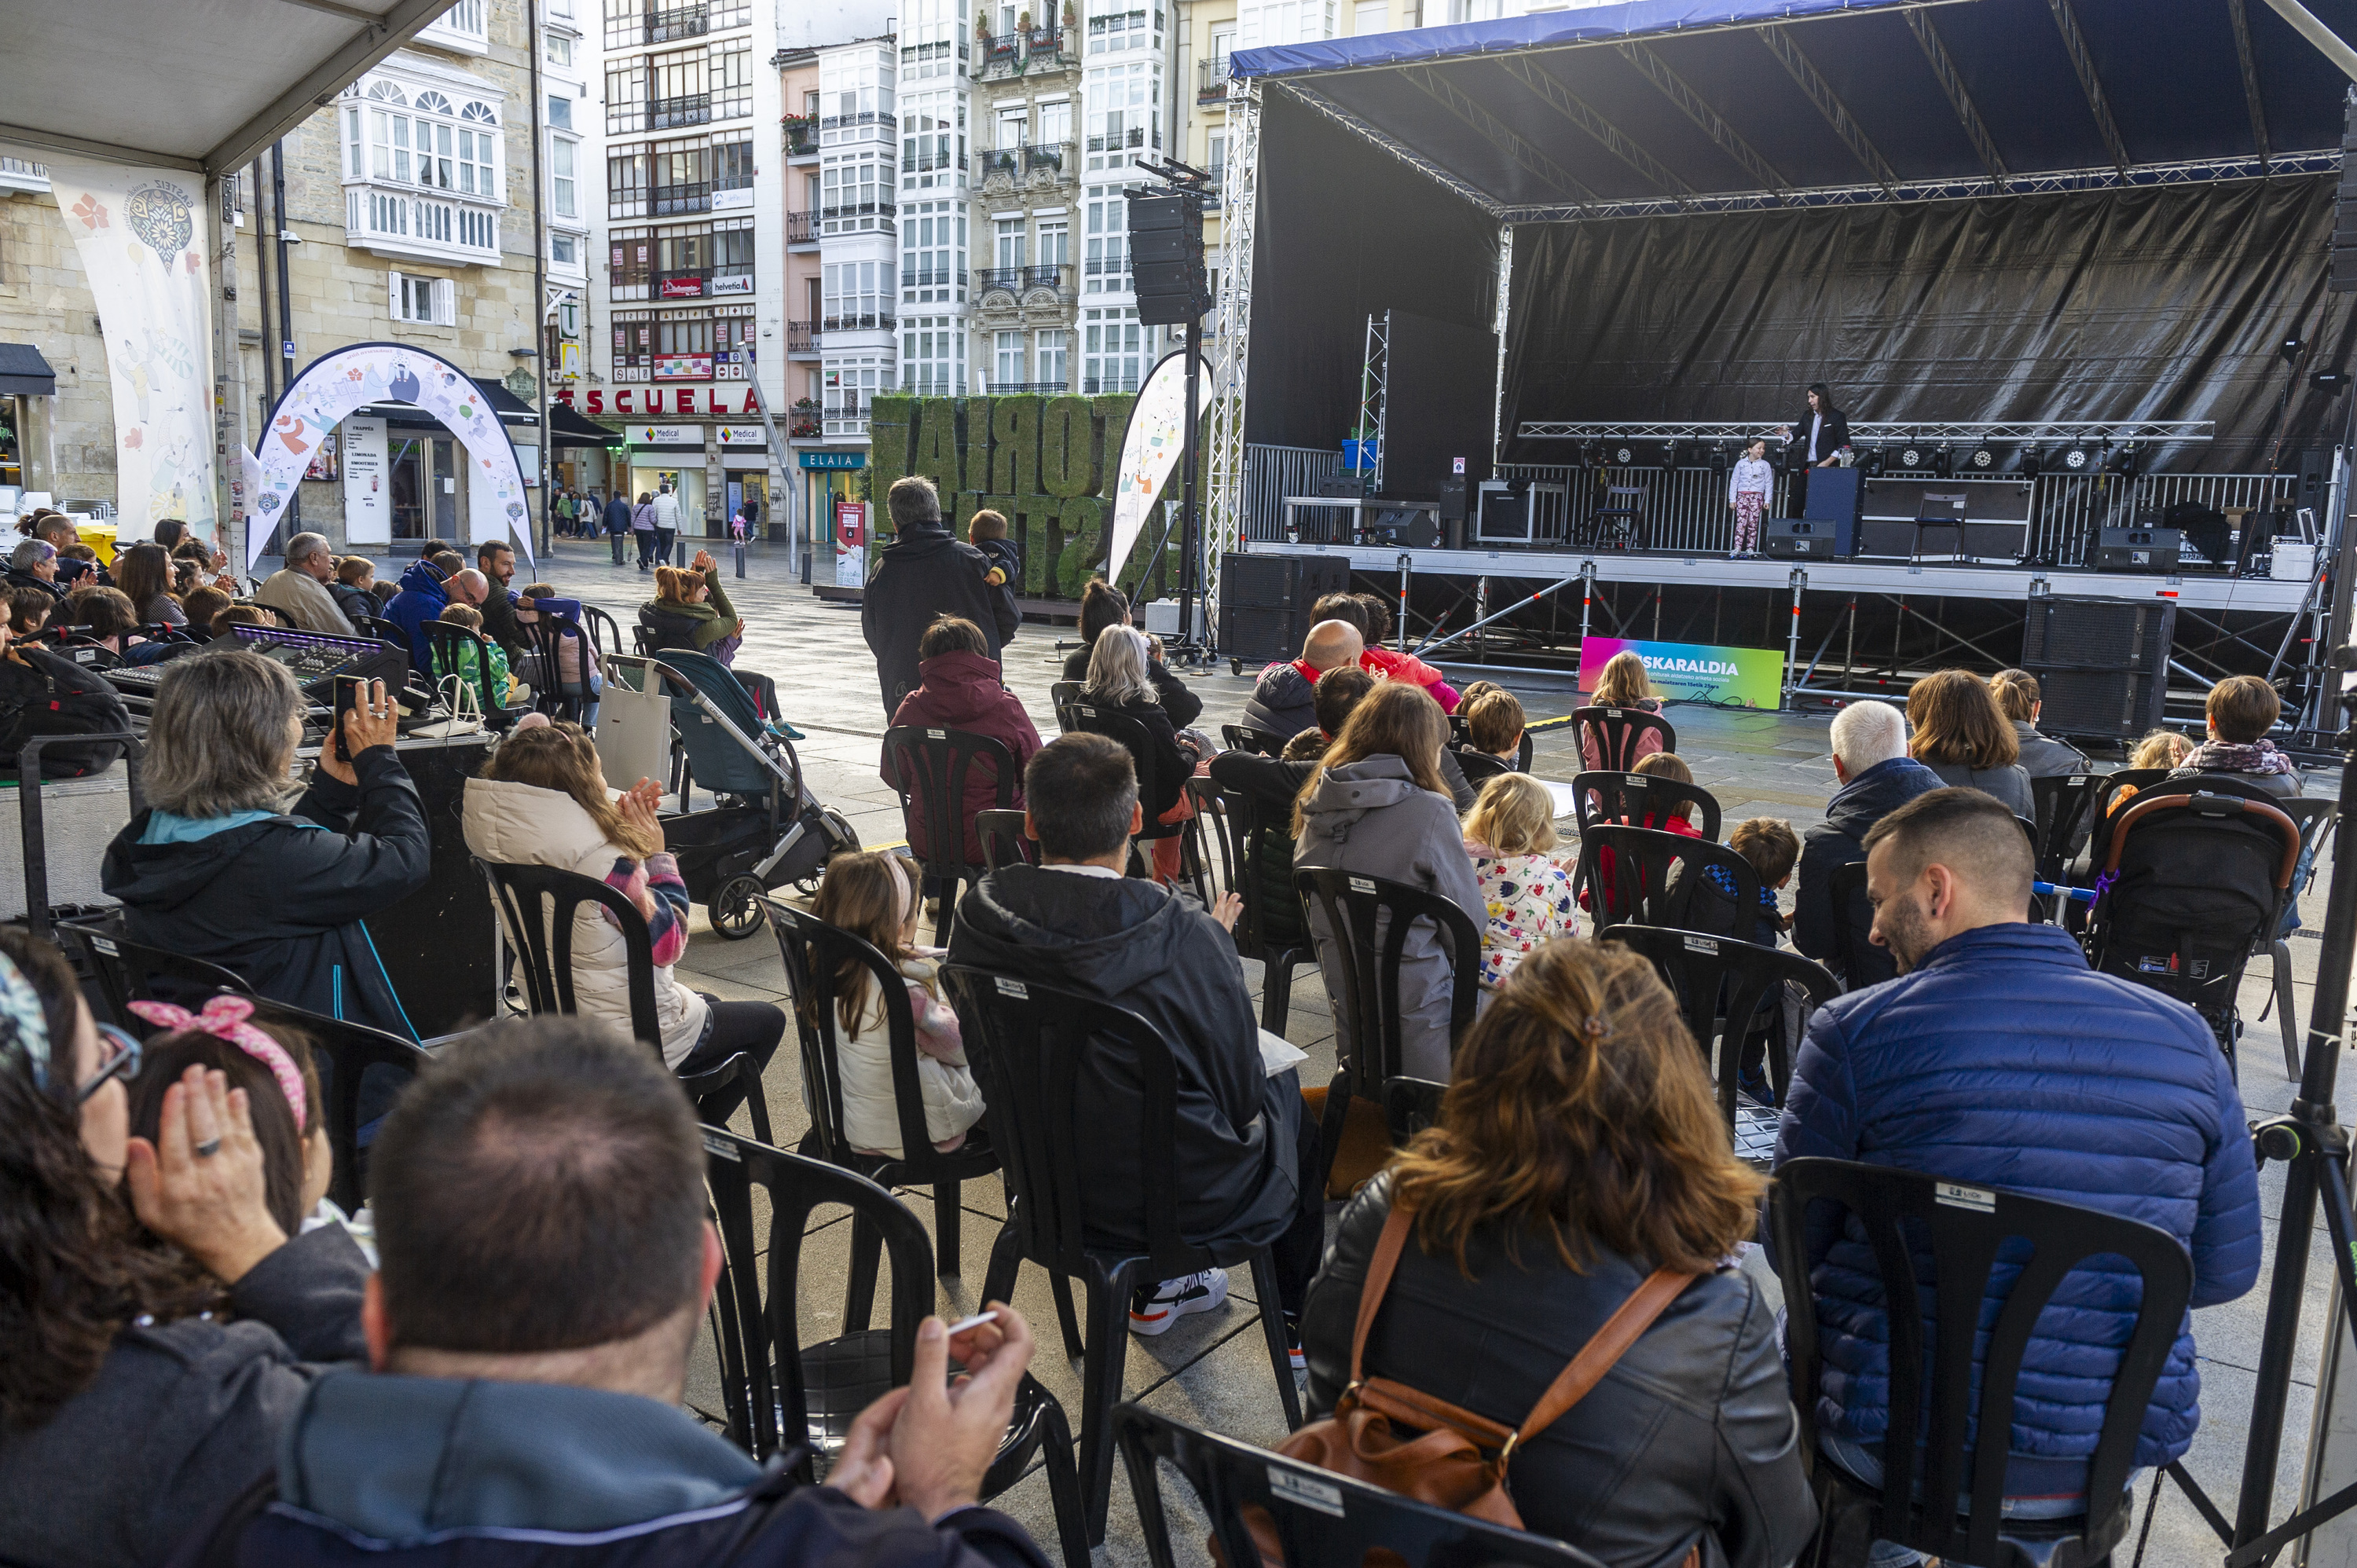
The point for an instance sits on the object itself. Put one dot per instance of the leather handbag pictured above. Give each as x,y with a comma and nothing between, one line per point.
1388,1434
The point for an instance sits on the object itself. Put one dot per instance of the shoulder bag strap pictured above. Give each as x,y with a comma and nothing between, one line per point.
1596,1357
1379,1279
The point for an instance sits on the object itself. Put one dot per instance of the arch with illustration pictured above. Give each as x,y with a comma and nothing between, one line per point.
335,384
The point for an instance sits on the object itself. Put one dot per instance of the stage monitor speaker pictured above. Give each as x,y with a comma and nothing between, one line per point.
2101,664
1798,536
1340,486
1836,496
1266,600
2315,476
1452,499
1404,526
1166,254
2206,527
2137,549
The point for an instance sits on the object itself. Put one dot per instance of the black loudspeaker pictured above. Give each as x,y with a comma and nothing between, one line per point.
2315,477
1452,499
2101,664
2208,530
1264,600
1166,256
1835,497
1412,527
2342,277
1799,536
1344,485
2137,549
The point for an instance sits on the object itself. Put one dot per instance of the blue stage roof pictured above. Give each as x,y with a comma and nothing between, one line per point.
1655,105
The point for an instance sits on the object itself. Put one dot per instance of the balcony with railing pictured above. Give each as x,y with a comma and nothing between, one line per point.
1114,142
1007,278
395,222
672,114
1018,389
1212,80
1048,274
868,124
677,200
861,321
855,212
23,174
678,22
462,28
802,228
1022,53
926,277
1039,162
847,418
802,337
802,135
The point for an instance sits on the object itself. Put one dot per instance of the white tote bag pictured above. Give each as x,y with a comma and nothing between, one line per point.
633,722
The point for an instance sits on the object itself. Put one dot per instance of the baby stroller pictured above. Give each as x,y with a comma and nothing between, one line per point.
765,830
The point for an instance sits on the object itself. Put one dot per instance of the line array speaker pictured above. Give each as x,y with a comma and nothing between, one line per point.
1266,600
1166,256
2101,664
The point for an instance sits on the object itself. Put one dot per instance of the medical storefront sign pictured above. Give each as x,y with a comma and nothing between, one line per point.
1692,671
665,435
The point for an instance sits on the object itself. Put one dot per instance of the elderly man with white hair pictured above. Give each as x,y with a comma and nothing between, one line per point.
299,590
1878,776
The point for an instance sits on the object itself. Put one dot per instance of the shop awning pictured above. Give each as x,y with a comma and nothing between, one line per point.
568,428
201,86
24,374
509,408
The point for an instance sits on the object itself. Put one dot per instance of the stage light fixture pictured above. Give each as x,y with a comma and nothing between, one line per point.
1913,459
2031,462
1669,458
2291,348
1870,462
2125,460
1943,463
1983,459
1620,454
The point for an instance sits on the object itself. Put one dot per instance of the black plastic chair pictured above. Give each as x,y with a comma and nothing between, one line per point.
1092,718
605,635
1369,919
1632,799
1479,767
131,971
1244,737
381,629
1062,694
548,632
1939,1239
2064,804
1616,732
353,1061
1656,879
1860,962
1721,985
814,954
930,767
539,907
1410,1105
1003,841
1038,1039
1208,829
1620,523
1316,1518
446,644
1234,831
781,1395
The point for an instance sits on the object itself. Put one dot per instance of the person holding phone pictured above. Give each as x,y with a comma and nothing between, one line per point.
223,867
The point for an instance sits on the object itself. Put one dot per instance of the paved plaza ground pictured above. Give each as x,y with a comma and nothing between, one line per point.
1212,1370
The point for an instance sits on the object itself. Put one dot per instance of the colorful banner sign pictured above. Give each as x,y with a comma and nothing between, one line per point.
1150,449
334,385
140,236
684,367
1694,671
851,545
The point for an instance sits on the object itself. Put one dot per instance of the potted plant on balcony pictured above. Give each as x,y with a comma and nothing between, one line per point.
803,419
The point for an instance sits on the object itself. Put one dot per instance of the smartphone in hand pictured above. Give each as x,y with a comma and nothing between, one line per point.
351,691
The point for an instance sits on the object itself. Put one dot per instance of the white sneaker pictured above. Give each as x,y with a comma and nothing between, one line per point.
1153,1311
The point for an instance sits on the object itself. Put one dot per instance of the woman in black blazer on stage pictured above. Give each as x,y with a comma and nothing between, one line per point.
1815,438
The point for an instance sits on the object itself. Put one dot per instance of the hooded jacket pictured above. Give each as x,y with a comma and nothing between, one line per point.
423,598
355,602
2003,1060
960,691
1284,702
378,1466
182,1415
923,575
513,824
1372,817
1837,840
1143,948
1691,1432
278,899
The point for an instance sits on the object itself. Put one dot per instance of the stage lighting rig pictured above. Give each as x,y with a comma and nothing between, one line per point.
1870,462
2125,460
1944,463
2031,462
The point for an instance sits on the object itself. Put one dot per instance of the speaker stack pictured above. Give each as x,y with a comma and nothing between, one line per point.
1265,601
2101,664
1166,256
2342,277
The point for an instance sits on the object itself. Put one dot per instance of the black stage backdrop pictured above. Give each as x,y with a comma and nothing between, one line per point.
2161,302
1346,229
1453,372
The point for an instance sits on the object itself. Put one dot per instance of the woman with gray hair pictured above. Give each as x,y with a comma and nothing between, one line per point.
1118,682
34,564
221,868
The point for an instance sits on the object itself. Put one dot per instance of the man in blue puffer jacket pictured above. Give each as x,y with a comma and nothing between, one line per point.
1999,1057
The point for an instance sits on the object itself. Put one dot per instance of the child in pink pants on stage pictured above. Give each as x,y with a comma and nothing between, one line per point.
1746,495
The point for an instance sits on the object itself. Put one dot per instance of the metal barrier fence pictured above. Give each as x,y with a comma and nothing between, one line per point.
1272,473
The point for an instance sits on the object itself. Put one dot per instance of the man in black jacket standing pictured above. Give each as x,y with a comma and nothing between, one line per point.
617,522
923,575
1075,921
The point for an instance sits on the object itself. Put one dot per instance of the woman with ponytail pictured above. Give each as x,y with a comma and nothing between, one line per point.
1579,1149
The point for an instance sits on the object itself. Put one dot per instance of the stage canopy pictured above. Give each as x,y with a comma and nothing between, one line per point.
1703,105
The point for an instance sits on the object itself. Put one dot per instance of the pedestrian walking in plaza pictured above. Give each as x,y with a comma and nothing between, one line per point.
617,522
666,523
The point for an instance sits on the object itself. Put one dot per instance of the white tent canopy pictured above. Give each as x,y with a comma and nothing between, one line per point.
201,85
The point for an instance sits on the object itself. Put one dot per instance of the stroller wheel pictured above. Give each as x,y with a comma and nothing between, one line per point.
734,914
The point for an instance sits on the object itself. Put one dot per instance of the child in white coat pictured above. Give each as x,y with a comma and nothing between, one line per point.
874,896
1747,490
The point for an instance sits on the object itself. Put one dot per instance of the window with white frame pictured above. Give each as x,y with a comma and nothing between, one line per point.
423,141
932,252
857,295
426,301
1123,25
560,111
560,10
1055,361
1010,360
626,95
564,249
1056,121
1055,241
563,184
1008,243
932,356
1104,267
1124,113
855,193
851,384
560,49
1115,350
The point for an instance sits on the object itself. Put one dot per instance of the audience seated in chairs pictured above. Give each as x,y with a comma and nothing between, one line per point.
2042,757
546,1263
143,572
240,615
425,588
1622,683
691,610
542,800
354,589
200,607
578,674
177,1366
1679,820
1118,683
1377,805
958,688
1271,784
219,867
1284,700
1578,1149
29,610
103,617
1247,1152
1511,835
1493,734
482,666
1372,614
2241,709
34,564
1877,777
2000,1058
1102,605
298,590
1961,734
873,896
